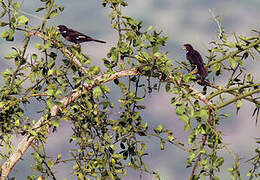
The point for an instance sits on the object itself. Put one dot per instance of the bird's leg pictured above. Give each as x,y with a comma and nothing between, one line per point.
192,67
202,81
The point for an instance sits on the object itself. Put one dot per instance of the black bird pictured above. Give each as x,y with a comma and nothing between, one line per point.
75,36
195,58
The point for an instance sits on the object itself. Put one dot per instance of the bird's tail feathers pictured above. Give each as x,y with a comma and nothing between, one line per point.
98,41
202,71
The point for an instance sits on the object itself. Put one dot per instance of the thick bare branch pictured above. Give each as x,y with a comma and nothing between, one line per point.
65,101
203,98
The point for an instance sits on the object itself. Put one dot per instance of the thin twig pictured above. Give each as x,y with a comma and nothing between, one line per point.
64,50
198,157
22,147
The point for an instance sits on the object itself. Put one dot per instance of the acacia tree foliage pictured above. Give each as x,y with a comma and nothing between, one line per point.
107,142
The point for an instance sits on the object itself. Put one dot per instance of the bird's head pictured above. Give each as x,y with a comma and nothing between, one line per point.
61,28
187,47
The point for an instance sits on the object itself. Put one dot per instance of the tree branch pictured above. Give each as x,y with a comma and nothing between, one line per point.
233,53
203,98
47,15
65,101
64,50
22,147
238,98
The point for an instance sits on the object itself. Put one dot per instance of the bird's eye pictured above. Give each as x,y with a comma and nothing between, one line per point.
64,31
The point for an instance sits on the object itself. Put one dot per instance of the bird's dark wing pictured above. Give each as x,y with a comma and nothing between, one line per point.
194,57
77,35
202,71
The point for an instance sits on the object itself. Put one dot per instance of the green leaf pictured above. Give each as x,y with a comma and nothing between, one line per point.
34,57
33,133
94,70
149,28
202,114
38,46
39,9
50,163
176,103
50,92
138,99
159,128
180,110
155,49
108,139
47,45
145,55
58,93
105,89
239,103
61,8
97,92
191,138
4,34
2,24
2,104
50,72
3,11
187,127
59,157
53,13
170,137
75,166
168,87
32,77
12,55
216,67
22,20
7,72
17,122
230,44
49,103
11,35
185,118
89,104
219,162
16,5
188,77
232,62
215,178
